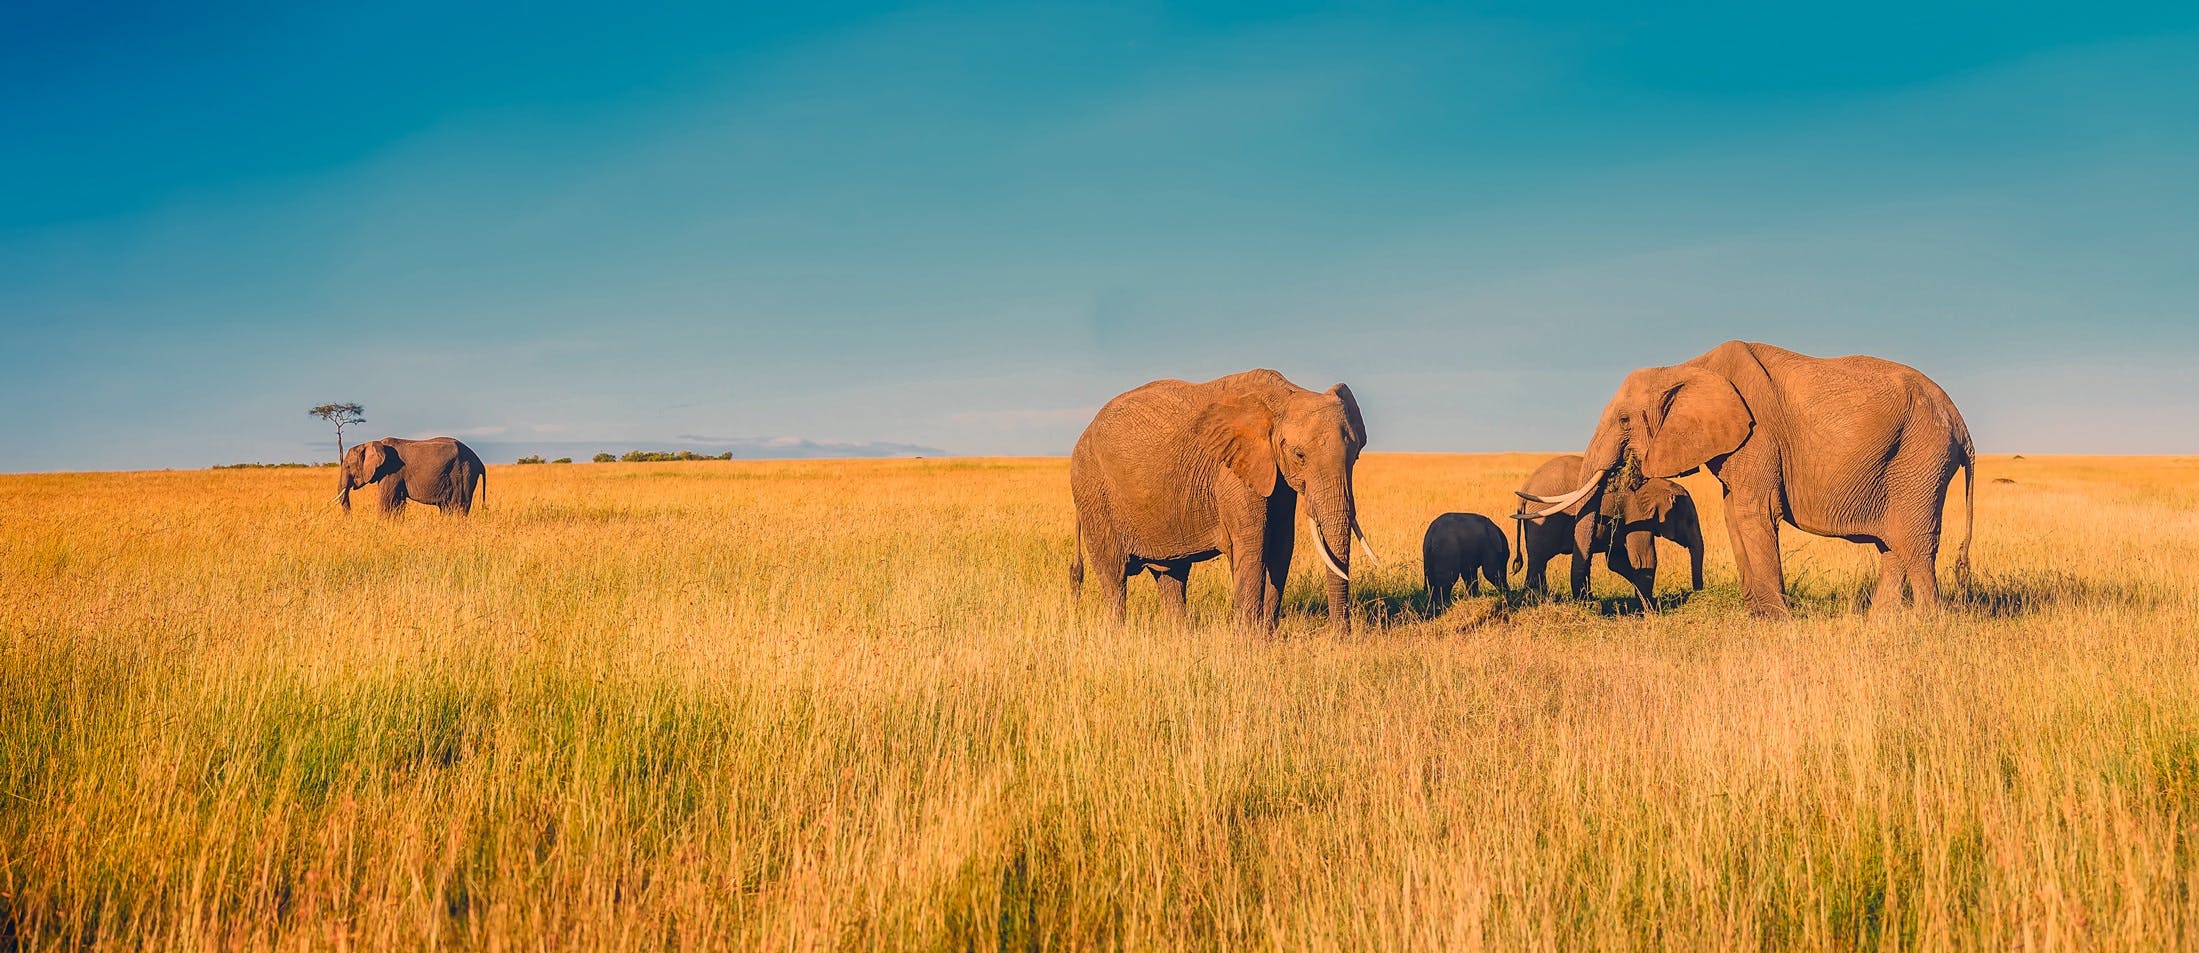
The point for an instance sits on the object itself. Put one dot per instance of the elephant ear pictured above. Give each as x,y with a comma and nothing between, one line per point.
378,456
1238,432
1650,503
1351,415
1700,417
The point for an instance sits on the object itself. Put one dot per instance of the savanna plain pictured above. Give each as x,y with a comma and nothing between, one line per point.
853,704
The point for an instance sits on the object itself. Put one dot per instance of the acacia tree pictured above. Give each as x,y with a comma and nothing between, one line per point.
342,415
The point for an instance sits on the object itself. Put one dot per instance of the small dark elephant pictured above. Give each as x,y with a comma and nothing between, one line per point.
440,472
1457,546
1621,524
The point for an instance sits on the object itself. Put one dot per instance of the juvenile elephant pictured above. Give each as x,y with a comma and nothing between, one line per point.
1856,448
440,472
1456,546
1174,473
1623,525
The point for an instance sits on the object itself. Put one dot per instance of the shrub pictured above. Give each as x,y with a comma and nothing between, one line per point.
562,460
530,458
605,458
661,456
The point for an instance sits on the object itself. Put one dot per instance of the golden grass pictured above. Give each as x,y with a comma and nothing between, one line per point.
851,704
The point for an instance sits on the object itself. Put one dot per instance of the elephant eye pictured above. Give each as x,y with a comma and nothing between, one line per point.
1299,452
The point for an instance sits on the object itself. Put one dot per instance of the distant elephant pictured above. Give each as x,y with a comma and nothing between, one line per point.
1856,448
1456,546
1174,473
1622,525
440,472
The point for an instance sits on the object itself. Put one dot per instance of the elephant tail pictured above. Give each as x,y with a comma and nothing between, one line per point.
1969,511
1076,562
1519,551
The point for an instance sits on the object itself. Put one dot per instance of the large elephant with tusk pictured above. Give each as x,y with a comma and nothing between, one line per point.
1856,448
1175,473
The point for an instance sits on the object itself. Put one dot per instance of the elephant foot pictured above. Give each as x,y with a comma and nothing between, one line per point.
1776,613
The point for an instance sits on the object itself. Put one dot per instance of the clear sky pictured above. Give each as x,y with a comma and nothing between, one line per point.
963,227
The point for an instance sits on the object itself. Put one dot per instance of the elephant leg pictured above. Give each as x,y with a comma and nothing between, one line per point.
1473,582
1171,578
1538,565
1439,589
1113,572
1923,563
1252,591
1755,534
1494,572
1886,598
1278,540
1585,546
1645,588
1688,532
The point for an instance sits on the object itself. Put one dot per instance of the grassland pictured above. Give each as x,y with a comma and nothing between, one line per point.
852,704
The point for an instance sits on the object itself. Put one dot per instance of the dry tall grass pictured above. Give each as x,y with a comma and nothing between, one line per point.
851,704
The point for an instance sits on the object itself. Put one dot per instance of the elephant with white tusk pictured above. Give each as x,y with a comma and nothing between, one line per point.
1620,522
1174,473
440,472
1855,448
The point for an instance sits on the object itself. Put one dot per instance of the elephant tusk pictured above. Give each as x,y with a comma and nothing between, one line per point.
1364,546
1321,546
1557,503
1553,510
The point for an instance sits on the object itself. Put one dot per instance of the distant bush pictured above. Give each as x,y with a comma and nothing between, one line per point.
562,460
531,458
605,458
661,456
269,466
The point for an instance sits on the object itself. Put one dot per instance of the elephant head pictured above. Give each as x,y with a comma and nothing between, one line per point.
1310,442
1635,517
1663,422
363,464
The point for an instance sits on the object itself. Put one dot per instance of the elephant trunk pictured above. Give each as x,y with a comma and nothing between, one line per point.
1334,517
1606,450
343,489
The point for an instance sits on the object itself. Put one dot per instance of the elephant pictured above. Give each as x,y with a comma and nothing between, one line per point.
1174,473
1456,546
440,472
1624,526
1856,448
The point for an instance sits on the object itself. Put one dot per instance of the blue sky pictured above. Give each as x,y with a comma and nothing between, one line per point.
963,227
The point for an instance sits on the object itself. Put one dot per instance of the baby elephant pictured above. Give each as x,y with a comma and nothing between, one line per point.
1457,546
